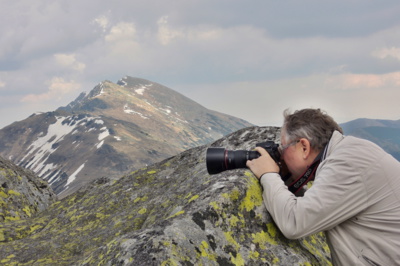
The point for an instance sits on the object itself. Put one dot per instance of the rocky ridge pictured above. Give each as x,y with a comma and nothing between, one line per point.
22,193
169,213
114,129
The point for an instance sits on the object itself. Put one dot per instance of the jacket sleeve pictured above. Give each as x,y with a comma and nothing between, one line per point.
337,194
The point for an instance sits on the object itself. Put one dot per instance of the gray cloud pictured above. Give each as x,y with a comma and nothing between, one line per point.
245,53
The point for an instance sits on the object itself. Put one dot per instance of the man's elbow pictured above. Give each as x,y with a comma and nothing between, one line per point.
291,234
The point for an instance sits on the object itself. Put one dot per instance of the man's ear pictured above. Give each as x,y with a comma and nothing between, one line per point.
305,147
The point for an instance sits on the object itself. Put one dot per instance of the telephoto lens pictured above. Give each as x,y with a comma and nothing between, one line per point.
220,159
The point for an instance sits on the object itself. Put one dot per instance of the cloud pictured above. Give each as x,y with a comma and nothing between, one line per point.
228,49
57,89
345,96
166,34
121,44
361,82
102,21
392,52
123,31
69,60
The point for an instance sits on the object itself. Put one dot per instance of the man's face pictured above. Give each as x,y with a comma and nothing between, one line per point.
293,155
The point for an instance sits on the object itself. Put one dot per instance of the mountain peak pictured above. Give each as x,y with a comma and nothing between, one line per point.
129,81
114,128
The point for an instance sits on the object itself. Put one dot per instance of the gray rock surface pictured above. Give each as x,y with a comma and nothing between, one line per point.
170,213
22,193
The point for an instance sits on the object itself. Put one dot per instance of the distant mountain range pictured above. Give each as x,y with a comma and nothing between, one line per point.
385,133
114,129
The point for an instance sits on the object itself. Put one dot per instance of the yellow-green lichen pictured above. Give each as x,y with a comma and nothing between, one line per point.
13,218
142,210
204,250
238,260
169,262
101,216
253,196
233,196
193,198
145,198
262,238
254,255
231,240
15,193
176,214
312,249
234,220
275,261
3,194
215,205
152,172
27,211
167,164
2,237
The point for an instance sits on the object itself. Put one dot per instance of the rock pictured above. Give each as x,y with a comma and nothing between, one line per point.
22,193
170,213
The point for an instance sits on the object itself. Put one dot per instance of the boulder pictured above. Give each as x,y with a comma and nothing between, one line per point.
170,213
22,193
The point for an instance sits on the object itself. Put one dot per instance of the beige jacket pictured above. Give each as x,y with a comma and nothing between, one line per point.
355,199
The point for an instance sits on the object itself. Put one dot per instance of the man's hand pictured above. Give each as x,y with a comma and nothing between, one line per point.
263,164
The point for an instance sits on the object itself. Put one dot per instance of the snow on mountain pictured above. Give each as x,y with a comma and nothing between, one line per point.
110,131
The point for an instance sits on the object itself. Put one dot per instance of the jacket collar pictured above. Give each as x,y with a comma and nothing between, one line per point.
336,138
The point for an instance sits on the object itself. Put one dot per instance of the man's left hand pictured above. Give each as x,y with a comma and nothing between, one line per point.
263,164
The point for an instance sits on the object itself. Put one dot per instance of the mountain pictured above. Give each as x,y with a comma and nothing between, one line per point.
111,130
170,213
385,133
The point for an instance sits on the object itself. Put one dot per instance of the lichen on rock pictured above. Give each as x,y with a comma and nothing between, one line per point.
170,213
22,193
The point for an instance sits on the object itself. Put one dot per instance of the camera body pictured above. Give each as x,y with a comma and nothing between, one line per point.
220,159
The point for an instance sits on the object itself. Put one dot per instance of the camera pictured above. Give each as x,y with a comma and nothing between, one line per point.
221,159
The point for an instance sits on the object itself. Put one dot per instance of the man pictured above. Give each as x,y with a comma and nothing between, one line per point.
355,197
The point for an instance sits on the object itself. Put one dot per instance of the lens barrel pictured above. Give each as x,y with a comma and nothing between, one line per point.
220,159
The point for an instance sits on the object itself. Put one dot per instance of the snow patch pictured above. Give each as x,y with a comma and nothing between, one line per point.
104,134
141,88
130,111
98,146
54,178
43,146
72,177
101,90
140,91
46,168
166,110
122,82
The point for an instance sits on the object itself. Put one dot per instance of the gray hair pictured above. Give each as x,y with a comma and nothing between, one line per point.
313,124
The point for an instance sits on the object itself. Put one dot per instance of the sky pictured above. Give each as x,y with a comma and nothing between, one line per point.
251,59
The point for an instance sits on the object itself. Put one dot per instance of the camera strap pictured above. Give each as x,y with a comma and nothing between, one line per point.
295,186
